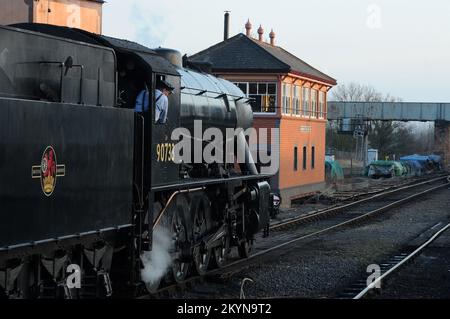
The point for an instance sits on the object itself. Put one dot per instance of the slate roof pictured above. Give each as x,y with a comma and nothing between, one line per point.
243,54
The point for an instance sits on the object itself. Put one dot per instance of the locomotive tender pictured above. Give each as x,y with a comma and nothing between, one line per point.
83,181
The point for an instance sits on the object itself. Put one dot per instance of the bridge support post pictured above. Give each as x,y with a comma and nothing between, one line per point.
442,141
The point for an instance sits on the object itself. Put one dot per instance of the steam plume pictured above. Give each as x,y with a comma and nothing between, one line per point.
157,262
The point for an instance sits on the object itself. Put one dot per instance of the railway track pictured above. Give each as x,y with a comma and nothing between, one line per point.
316,224
392,267
378,198
386,185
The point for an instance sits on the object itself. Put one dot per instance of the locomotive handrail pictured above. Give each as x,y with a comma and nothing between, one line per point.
61,80
207,91
60,64
202,92
172,197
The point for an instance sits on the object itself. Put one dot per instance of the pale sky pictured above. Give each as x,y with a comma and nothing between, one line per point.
399,47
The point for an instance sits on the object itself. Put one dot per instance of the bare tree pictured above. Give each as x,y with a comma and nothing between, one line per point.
390,138
354,92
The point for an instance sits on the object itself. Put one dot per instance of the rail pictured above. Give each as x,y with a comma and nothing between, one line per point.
397,267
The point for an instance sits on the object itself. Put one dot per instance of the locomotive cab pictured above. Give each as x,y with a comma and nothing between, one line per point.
139,69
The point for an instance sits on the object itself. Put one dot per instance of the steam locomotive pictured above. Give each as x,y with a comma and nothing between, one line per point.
85,181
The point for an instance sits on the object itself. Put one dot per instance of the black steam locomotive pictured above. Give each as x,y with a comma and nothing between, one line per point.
85,180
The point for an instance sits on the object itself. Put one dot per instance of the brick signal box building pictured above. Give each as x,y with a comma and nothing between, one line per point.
287,94
81,14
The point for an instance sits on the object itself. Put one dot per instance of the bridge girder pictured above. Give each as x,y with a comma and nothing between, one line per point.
389,111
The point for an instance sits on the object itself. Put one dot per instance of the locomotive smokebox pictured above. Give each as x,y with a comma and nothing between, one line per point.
171,55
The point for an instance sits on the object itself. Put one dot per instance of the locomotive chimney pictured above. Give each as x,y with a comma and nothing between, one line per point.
272,38
226,31
260,33
248,28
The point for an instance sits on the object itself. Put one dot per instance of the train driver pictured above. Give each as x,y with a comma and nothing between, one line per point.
163,90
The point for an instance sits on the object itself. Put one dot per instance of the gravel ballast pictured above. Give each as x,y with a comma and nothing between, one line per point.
324,266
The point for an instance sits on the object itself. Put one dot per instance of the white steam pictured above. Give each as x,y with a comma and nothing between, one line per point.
158,261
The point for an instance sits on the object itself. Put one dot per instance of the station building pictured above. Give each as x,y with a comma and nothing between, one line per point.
81,14
286,93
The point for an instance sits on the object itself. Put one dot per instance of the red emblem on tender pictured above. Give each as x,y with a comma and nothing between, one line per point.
48,171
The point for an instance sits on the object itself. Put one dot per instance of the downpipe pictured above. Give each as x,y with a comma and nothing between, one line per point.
171,199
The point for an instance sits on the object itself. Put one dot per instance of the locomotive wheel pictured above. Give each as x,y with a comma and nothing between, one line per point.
180,235
201,260
221,253
201,211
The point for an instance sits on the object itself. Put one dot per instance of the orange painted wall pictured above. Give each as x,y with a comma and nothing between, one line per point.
295,133
302,131
82,14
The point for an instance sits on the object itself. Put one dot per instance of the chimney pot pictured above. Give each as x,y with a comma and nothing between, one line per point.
272,37
248,28
260,33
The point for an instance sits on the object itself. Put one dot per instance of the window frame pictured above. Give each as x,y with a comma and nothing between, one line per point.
322,105
295,159
306,110
305,158
314,103
296,101
263,96
286,99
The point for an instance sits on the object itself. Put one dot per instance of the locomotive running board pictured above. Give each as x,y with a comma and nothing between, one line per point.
208,182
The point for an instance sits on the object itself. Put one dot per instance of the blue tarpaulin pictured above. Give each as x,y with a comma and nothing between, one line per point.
422,158
420,164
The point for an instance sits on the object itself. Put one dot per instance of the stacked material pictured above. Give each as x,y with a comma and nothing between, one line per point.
333,171
413,165
419,165
386,169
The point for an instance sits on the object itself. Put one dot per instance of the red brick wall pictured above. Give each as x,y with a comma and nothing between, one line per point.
295,133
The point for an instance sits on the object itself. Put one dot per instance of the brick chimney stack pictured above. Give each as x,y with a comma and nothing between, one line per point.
226,26
260,33
248,28
272,38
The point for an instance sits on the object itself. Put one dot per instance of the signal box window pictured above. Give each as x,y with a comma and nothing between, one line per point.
305,102
286,99
296,101
305,159
263,95
295,158
313,157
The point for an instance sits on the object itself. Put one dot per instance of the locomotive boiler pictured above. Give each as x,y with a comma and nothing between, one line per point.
85,181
